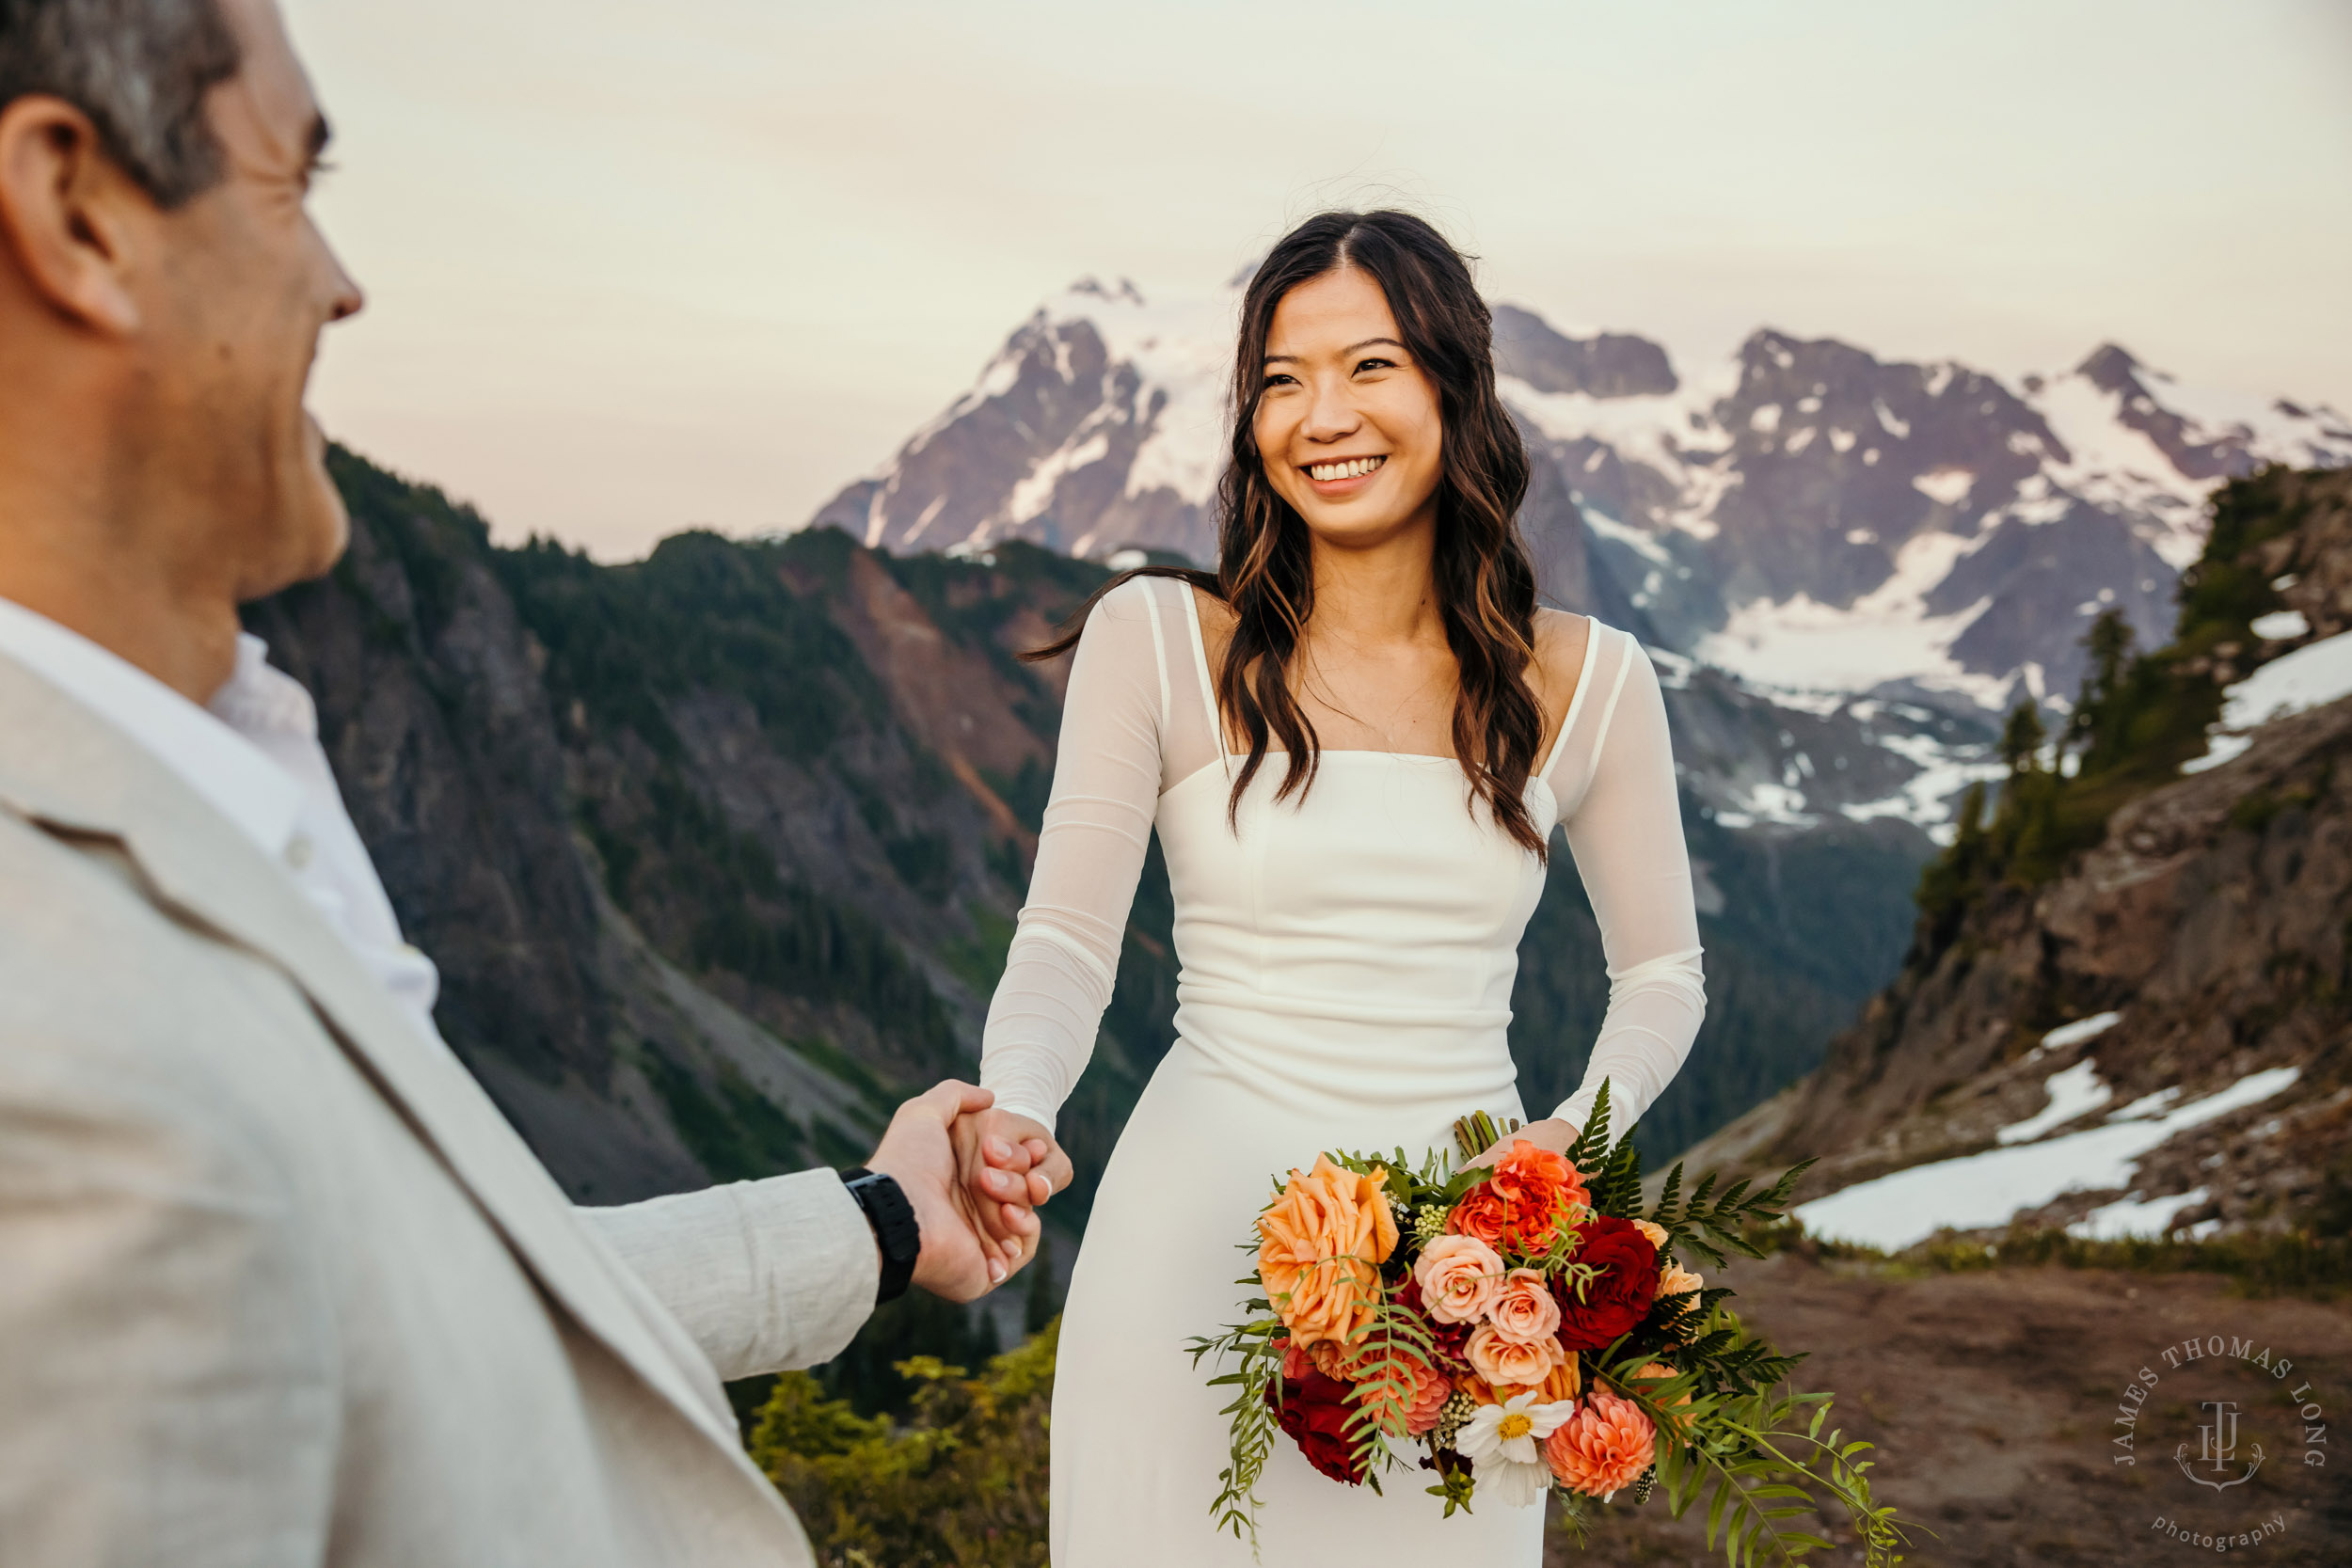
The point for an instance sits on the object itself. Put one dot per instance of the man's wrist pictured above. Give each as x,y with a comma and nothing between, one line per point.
898,1235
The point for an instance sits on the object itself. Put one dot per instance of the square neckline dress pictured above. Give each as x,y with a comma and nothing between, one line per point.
1346,959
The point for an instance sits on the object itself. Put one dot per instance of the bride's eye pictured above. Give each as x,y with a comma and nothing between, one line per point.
1276,378
1364,365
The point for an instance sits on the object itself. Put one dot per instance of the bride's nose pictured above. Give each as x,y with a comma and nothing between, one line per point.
1332,416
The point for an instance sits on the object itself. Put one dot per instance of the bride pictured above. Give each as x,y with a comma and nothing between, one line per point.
1353,739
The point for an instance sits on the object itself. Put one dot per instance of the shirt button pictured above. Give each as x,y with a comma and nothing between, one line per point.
299,851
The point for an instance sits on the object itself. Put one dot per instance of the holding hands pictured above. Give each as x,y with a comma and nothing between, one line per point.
973,1176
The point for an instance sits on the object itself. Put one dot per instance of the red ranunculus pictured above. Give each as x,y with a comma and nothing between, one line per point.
1620,1296
1315,1411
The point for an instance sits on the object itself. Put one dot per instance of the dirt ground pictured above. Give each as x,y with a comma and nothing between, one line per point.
1993,1398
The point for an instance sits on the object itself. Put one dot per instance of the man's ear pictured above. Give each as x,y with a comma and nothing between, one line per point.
71,217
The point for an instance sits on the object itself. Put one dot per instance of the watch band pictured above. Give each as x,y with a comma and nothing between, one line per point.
897,1231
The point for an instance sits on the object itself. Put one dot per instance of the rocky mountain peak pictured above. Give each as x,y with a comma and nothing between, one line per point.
1827,526
1607,365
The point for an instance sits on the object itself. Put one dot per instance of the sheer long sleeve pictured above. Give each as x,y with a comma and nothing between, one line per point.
1064,957
1626,833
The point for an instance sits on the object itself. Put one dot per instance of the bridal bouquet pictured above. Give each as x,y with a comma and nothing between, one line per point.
1523,1331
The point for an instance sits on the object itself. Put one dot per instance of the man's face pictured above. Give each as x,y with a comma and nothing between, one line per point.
245,285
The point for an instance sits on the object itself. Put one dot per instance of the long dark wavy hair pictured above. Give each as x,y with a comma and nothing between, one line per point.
1486,582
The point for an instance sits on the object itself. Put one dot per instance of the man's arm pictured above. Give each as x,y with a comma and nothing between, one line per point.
781,1272
763,1274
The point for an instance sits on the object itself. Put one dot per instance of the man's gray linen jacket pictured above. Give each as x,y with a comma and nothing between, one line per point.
278,1285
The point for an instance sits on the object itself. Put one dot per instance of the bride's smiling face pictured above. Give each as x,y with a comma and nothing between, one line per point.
1347,424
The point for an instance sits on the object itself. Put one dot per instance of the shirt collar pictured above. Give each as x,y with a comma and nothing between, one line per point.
231,774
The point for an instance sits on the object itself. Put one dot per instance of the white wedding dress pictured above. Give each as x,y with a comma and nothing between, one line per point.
1346,969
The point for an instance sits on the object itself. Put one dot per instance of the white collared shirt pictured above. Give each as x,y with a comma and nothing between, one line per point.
254,757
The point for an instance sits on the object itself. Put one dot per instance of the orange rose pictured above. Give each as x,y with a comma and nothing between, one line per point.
1320,1247
1500,1360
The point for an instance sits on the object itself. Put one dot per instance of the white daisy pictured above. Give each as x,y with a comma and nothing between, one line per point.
1513,1485
1514,1430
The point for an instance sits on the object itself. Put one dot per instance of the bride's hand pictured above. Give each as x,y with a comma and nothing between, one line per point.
1011,1164
1551,1134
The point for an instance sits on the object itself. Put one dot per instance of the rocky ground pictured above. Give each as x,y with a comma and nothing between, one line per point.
1991,1396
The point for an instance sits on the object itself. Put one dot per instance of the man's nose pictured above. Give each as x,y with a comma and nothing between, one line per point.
345,298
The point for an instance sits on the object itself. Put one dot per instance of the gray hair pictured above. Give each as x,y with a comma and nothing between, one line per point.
139,69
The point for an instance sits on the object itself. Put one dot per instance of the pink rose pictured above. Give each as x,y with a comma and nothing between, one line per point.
1459,1278
1500,1360
1523,1311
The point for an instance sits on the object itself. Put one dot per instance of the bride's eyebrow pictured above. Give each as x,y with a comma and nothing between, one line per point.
1368,342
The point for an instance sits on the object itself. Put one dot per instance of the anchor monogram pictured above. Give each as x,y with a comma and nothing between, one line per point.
2217,1448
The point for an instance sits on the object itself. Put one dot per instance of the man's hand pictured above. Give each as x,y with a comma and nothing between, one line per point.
1011,1164
962,1256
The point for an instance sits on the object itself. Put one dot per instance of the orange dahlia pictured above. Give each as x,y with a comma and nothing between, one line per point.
1606,1445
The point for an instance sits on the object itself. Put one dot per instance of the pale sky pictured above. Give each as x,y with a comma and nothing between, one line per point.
634,267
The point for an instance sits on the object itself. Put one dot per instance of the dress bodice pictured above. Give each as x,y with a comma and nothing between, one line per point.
1364,931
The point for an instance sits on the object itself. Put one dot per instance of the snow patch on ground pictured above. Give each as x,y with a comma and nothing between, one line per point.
2073,1092
1980,1192
2312,676
2135,1217
2067,1035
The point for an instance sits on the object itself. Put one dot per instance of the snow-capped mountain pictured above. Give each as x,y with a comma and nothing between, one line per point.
1893,551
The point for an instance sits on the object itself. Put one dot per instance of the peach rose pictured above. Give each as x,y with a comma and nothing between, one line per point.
1605,1445
1676,1280
1500,1360
1459,1278
1320,1247
1657,1233
1523,1311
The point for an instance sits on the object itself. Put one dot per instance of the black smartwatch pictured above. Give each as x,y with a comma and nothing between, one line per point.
897,1231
